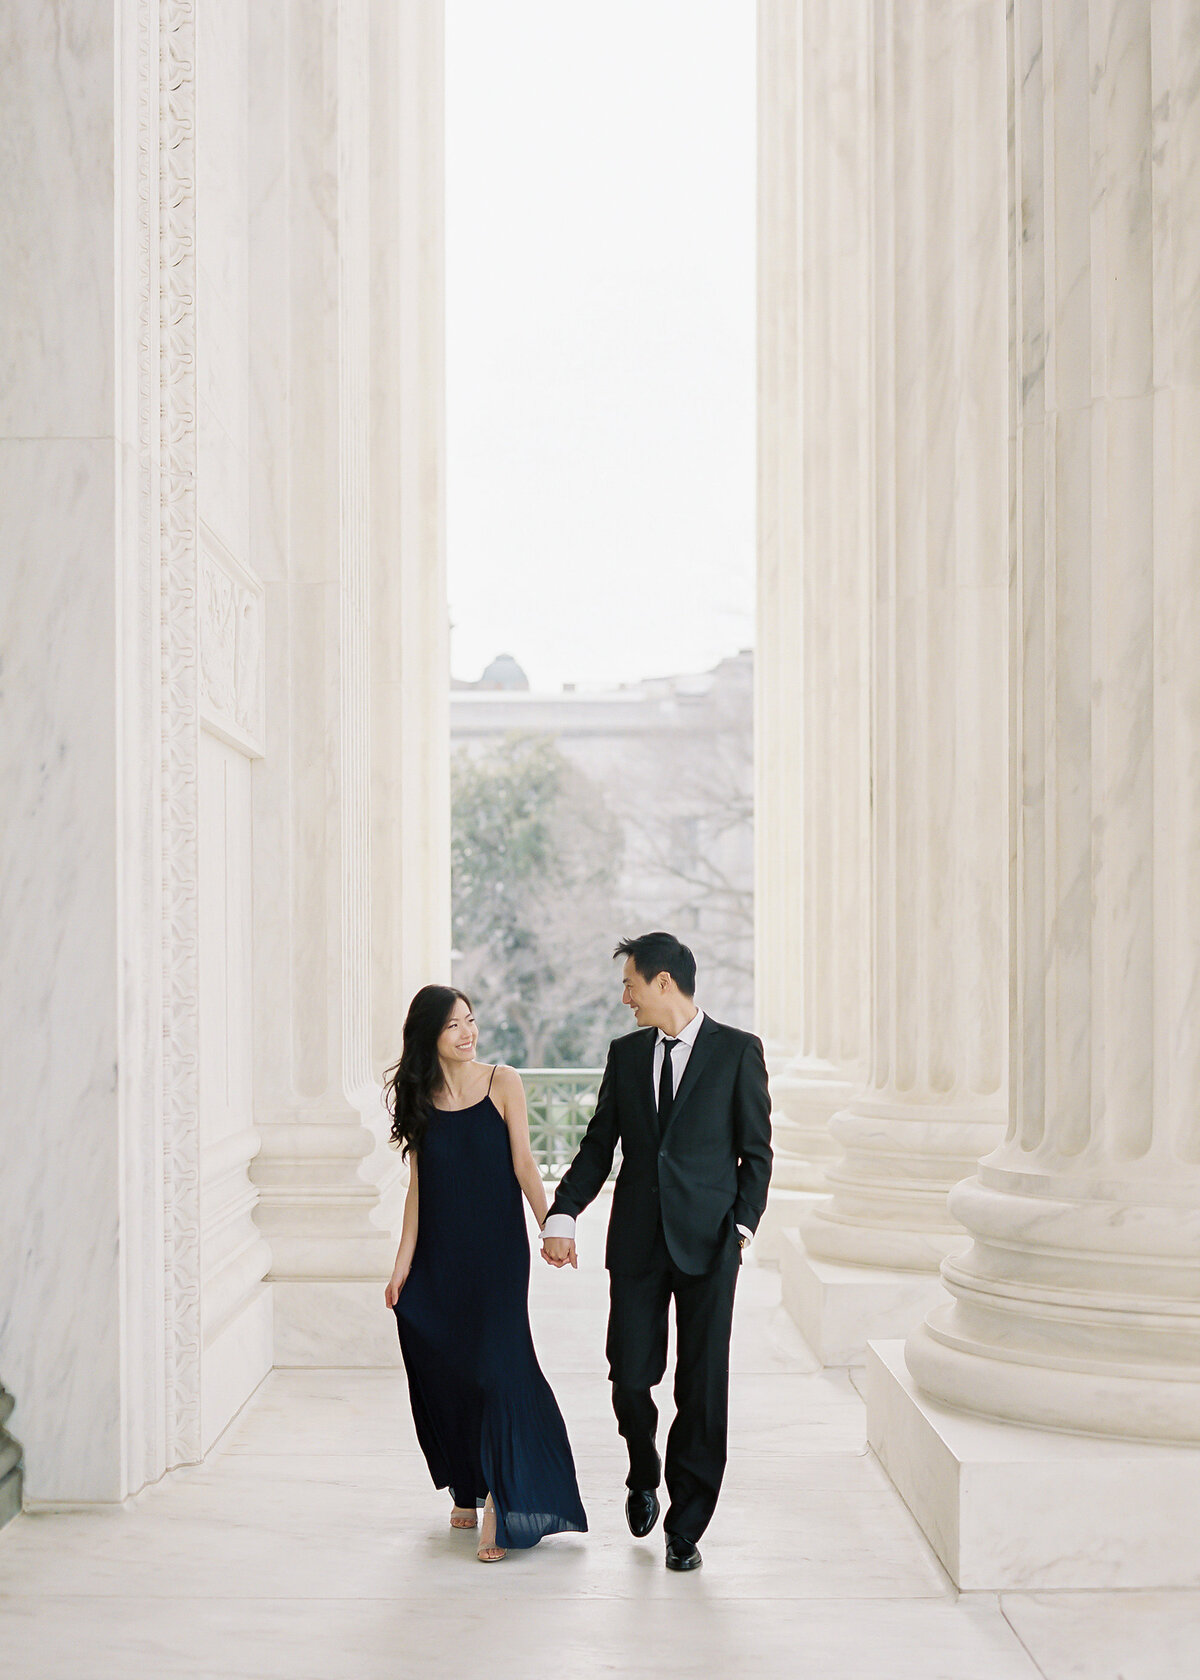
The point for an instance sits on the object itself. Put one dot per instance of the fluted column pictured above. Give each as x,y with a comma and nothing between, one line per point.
776,677
813,627
1078,1305
352,806
934,1101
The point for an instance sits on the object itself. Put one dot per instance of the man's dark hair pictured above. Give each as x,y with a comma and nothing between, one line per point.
661,953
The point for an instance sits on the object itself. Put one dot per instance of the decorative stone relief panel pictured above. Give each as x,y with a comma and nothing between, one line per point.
173,429
231,647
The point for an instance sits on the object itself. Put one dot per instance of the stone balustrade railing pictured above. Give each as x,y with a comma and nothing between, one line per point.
561,1102
10,1464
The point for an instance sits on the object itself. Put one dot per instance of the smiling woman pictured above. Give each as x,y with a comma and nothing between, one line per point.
485,1416
437,1017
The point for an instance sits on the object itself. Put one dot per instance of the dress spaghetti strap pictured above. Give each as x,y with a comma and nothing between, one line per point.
488,1092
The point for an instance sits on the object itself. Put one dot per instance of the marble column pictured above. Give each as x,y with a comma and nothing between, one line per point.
777,680
1077,1306
352,811
409,618
10,1463
814,619
933,1102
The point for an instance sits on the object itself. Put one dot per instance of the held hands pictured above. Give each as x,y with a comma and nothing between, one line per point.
559,1251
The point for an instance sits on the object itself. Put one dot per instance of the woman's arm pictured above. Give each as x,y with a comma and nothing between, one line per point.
408,1237
509,1096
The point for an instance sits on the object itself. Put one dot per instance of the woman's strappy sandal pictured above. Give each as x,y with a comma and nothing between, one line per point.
463,1516
488,1551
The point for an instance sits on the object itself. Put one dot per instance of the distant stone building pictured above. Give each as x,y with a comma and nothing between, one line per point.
673,757
503,675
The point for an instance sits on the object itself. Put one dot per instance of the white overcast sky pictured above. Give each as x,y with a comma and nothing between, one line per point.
600,334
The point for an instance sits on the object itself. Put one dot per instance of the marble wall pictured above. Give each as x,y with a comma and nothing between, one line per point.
83,1314
220,469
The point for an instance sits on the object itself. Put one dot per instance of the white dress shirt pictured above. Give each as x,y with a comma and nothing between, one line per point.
563,1224
680,1056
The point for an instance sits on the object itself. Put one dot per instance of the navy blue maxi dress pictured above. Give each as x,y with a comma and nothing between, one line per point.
485,1416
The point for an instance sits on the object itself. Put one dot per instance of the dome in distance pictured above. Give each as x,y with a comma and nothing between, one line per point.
504,673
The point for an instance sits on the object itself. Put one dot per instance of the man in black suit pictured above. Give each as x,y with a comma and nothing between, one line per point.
687,1099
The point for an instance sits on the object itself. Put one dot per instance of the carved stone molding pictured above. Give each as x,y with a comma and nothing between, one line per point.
231,647
180,719
141,1172
354,267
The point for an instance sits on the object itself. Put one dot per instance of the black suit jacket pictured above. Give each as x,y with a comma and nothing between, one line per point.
705,1176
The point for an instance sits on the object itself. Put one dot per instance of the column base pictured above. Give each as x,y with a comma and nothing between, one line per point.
805,1095
341,1321
786,1209
840,1308
1010,1508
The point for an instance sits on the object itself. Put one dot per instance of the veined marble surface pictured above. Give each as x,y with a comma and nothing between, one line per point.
187,340
1077,1306
1014,1507
839,1309
312,1547
813,658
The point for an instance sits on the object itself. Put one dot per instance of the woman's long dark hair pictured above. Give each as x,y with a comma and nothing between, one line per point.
409,1086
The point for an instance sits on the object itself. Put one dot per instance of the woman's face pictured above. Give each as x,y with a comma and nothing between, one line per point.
458,1038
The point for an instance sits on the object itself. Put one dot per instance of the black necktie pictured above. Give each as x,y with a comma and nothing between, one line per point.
666,1084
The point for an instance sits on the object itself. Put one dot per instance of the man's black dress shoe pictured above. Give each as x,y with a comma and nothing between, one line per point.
681,1553
641,1511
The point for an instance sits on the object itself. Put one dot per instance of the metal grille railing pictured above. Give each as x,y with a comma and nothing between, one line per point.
561,1102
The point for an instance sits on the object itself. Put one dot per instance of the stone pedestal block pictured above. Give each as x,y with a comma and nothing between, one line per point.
236,1360
335,1322
840,1308
1018,1509
786,1212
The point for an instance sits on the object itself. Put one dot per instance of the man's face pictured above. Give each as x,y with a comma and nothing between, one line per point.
644,997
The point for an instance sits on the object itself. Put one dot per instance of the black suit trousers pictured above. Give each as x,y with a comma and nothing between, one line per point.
637,1359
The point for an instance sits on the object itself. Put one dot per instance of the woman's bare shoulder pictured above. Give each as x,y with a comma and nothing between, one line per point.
506,1079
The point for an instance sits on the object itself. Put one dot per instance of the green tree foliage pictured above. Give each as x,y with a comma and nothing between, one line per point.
535,857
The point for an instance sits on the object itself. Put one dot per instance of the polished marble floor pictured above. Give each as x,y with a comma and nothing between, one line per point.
311,1547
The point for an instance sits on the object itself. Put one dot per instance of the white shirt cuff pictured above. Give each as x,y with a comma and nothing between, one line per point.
563,1225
